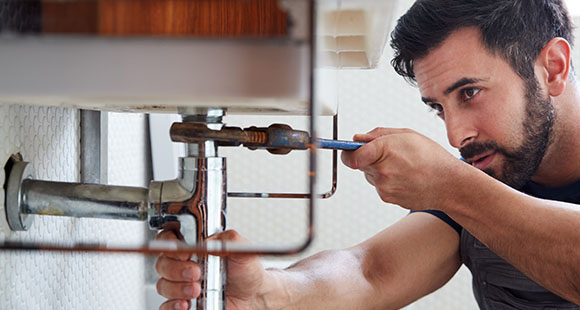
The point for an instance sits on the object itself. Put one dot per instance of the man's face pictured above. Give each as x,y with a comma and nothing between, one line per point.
499,123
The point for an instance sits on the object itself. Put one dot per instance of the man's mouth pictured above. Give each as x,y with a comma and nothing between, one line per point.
483,162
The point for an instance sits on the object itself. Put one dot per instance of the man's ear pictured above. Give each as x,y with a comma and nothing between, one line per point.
554,61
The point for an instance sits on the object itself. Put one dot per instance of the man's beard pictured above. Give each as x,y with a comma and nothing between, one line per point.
521,163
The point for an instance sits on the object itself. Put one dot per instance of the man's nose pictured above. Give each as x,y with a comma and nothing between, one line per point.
460,129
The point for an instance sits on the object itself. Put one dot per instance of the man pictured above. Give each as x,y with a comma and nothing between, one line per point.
498,72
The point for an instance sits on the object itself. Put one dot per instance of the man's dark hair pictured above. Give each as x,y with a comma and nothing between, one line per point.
517,30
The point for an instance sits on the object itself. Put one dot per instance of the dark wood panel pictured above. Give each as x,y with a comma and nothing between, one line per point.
203,18
69,16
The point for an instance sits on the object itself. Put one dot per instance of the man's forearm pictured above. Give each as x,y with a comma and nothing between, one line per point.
400,264
328,280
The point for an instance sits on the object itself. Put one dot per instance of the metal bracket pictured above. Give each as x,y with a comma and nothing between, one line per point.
18,219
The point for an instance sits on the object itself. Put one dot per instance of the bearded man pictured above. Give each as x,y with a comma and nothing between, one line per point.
499,74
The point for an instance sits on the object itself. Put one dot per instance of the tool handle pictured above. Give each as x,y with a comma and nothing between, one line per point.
339,144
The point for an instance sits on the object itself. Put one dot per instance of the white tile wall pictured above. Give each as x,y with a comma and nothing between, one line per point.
49,139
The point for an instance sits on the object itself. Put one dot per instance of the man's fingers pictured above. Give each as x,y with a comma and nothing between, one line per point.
176,270
169,235
366,155
175,304
178,290
374,149
234,236
228,235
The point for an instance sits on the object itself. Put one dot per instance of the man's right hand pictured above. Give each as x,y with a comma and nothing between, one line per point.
180,277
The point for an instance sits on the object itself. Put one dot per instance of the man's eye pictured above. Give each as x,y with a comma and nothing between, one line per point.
469,93
437,108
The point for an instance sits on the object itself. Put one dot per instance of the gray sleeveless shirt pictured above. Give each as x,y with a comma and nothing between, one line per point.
497,285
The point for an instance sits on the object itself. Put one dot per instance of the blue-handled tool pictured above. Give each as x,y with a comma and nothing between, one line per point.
277,138
339,144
